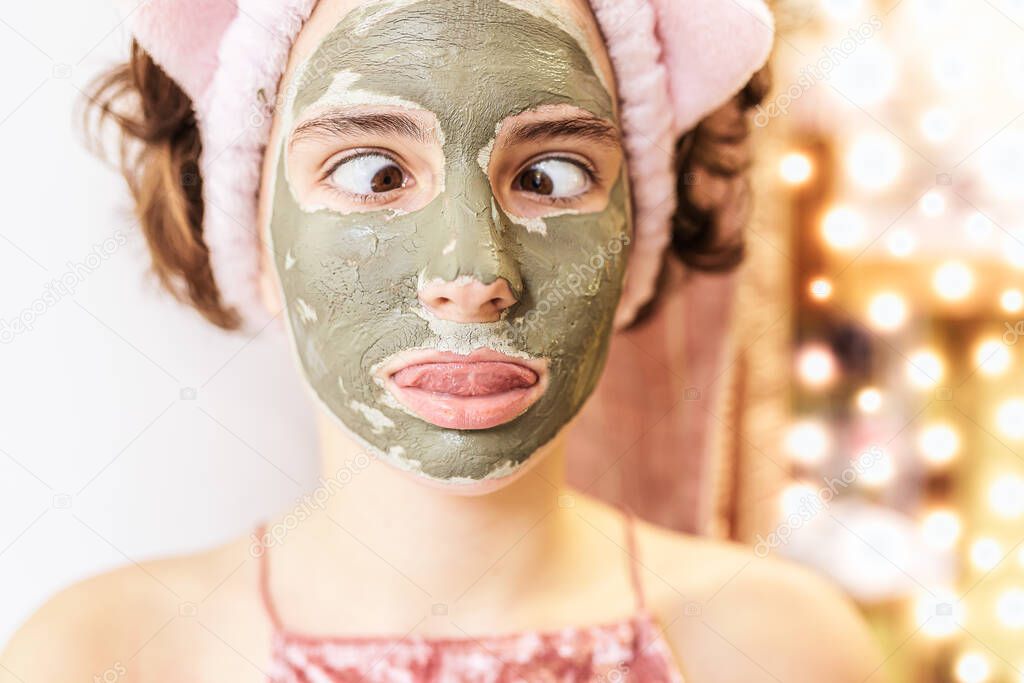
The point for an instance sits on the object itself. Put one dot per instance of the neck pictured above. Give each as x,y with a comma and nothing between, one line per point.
439,537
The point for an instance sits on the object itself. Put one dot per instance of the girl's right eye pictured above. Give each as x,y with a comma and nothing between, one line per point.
367,174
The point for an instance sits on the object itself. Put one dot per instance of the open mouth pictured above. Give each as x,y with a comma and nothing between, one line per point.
477,391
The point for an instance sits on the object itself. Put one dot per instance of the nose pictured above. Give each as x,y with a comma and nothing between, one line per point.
467,300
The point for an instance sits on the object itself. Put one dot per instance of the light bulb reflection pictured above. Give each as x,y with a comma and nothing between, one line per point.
874,162
901,243
1010,418
1012,301
887,311
938,444
820,289
986,553
925,369
816,366
843,228
808,442
796,168
953,281
972,667
941,529
938,613
1010,609
1006,496
869,400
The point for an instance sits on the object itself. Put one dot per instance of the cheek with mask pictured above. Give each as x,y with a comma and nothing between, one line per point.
450,302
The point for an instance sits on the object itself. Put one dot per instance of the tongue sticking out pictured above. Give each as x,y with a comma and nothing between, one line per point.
466,379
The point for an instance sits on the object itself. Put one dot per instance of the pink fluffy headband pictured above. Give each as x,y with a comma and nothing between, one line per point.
675,61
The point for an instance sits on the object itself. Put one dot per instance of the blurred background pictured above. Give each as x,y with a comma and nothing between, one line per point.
868,417
884,290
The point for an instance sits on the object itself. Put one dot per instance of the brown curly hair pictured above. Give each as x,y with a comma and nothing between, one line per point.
159,147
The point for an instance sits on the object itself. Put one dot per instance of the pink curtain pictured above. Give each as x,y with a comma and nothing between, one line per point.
646,438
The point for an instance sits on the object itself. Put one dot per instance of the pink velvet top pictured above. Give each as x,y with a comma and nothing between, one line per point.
629,651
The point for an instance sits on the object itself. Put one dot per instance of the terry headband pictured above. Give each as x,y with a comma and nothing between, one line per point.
675,61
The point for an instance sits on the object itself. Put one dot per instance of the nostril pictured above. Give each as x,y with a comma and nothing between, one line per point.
468,301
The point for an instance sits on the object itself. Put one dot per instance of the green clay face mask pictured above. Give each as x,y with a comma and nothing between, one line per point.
352,280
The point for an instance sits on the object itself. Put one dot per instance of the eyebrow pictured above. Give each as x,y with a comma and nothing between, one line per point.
340,124
590,128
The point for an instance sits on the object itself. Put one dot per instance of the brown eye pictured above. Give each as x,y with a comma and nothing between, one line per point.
536,181
554,178
368,174
387,179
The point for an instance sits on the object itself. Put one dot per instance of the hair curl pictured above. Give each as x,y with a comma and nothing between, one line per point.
159,148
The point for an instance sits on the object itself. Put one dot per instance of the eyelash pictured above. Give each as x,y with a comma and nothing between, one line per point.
371,198
592,175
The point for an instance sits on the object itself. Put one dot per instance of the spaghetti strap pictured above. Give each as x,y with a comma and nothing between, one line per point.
266,597
634,559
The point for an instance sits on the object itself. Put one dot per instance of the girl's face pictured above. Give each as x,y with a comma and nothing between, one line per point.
447,210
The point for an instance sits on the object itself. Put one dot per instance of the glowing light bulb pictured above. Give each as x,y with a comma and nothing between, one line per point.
843,228
797,497
972,667
938,125
1010,608
874,162
992,357
867,76
869,400
1002,165
879,471
978,227
820,289
1010,418
1006,496
925,369
938,614
842,10
938,444
796,168
953,281
901,243
986,553
887,311
1012,301
808,442
933,204
1012,249
940,529
816,366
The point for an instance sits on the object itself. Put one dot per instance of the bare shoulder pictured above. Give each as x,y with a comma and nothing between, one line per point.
733,616
159,620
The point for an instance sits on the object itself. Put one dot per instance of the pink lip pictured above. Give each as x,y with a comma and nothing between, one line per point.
467,392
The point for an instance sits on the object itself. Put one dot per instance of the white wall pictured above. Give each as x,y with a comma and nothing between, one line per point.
102,461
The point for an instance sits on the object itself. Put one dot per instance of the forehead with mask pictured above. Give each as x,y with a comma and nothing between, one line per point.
446,210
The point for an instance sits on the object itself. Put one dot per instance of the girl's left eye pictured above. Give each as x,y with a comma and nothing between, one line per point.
554,178
368,174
